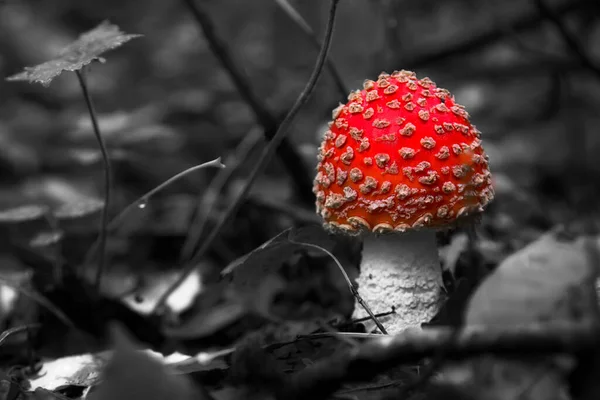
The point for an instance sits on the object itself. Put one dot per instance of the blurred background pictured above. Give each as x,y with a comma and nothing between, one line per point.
528,72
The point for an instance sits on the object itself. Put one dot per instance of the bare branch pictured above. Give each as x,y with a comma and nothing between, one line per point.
491,35
266,156
574,44
323,378
288,155
295,16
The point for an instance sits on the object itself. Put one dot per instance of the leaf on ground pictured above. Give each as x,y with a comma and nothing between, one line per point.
78,370
132,374
256,278
85,370
204,361
87,48
22,214
46,239
79,209
269,256
551,279
206,323
82,215
21,224
144,299
451,253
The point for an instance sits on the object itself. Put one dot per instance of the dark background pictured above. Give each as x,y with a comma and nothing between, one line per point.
528,72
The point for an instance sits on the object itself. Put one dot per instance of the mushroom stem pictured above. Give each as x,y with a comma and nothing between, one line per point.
401,270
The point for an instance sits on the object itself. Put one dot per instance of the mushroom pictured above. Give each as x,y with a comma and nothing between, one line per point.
399,161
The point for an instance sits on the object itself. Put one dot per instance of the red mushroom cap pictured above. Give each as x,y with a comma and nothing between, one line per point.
400,154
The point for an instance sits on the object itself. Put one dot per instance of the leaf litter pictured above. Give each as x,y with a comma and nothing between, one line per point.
548,279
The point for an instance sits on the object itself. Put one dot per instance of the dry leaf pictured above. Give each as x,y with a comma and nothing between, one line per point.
549,280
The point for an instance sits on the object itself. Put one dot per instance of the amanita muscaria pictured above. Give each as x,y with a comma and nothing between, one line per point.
399,161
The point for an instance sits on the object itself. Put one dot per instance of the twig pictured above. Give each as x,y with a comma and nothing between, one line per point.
300,215
266,156
353,290
536,379
378,315
289,156
48,305
515,38
574,45
295,16
57,267
437,362
143,200
491,35
375,356
107,177
206,201
17,329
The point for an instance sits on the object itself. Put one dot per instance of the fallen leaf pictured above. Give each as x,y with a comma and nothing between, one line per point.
551,279
21,224
78,370
132,375
83,215
22,214
79,209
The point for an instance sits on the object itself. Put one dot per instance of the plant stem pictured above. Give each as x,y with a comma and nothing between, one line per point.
107,177
141,202
266,156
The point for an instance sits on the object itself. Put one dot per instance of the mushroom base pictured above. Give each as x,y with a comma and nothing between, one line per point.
400,270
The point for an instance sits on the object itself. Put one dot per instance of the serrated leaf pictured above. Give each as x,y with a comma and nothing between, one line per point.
87,48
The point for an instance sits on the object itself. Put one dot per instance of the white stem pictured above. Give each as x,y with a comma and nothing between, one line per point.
401,270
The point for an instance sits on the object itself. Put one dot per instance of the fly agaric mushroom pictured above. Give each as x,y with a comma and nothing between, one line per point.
399,161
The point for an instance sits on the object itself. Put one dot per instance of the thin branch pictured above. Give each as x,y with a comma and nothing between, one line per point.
353,289
288,155
18,329
142,201
208,199
434,366
518,41
489,36
323,378
266,156
300,215
44,302
574,45
310,34
107,178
